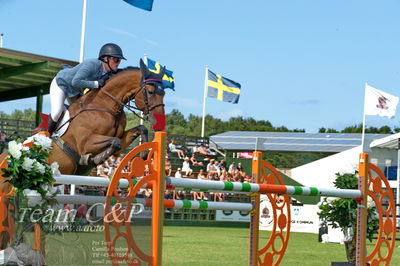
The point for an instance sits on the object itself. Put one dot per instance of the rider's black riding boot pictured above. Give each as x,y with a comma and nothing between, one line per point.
52,125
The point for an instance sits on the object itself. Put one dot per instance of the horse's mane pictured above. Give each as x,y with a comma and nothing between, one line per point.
121,71
127,68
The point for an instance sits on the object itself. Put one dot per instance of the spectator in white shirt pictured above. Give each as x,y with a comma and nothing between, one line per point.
178,173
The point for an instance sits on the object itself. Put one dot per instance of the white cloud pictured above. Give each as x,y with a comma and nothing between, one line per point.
130,34
231,113
122,32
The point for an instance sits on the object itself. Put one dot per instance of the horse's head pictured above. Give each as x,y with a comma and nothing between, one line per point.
144,87
151,100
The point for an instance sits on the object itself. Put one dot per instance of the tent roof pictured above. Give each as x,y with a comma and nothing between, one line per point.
290,141
24,75
389,142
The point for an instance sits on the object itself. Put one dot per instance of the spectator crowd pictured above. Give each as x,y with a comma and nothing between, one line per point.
202,164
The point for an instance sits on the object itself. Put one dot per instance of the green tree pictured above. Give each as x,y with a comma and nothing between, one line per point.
342,213
385,130
352,129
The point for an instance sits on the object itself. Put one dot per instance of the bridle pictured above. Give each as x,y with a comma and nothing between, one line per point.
156,82
158,90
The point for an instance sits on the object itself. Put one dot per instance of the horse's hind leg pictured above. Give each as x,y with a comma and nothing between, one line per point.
108,145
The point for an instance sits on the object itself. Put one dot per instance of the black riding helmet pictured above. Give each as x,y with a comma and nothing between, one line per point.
111,49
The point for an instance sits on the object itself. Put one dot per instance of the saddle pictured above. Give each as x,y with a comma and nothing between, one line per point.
82,161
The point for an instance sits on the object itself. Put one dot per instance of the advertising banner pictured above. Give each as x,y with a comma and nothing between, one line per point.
303,218
232,216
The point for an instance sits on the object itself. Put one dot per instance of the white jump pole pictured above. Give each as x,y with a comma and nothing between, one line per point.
175,204
262,188
87,181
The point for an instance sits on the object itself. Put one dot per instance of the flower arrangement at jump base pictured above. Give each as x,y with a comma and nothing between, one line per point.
27,164
31,177
342,213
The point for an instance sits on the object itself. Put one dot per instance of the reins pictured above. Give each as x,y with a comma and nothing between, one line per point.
118,115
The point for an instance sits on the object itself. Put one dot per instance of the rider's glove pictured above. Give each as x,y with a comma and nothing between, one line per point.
102,80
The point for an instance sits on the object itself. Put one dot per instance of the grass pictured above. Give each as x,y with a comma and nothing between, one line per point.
190,245
229,246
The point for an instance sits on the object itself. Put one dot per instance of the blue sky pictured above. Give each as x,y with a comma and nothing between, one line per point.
301,64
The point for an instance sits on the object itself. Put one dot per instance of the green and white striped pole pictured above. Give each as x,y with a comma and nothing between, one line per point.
262,188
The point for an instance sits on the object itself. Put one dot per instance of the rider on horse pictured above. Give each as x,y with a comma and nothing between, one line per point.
91,73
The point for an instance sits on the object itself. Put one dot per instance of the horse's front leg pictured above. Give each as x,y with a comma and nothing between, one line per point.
102,146
130,135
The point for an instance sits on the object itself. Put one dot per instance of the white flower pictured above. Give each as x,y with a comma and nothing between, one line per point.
14,149
43,141
29,140
370,202
28,164
29,192
34,198
54,169
49,189
40,167
40,140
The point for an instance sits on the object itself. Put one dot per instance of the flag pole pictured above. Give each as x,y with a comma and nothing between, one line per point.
83,32
204,102
363,123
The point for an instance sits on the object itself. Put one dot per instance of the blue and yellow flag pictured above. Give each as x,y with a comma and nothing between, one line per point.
222,88
143,4
155,67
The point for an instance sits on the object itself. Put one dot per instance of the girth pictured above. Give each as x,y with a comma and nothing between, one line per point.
66,148
82,163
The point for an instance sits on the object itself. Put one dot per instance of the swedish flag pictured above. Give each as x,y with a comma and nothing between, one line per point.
222,88
155,67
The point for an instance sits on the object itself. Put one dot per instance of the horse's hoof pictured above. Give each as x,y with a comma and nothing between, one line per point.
116,143
84,160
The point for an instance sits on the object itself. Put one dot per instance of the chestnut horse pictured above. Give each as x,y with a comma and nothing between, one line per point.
97,123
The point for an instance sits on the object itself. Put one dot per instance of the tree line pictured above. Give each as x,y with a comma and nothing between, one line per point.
178,124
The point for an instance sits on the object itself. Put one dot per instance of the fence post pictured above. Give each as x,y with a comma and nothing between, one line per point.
158,197
255,215
362,210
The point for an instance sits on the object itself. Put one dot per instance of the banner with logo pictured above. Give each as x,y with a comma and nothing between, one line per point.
303,218
232,216
247,155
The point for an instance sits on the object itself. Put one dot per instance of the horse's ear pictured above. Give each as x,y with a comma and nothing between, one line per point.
144,69
162,72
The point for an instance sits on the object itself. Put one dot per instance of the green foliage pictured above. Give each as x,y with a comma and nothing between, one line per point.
27,114
177,124
342,213
371,130
327,130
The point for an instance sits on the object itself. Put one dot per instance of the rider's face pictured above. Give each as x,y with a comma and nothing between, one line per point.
113,62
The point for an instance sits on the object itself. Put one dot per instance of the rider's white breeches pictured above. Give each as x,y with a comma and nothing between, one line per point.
57,98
